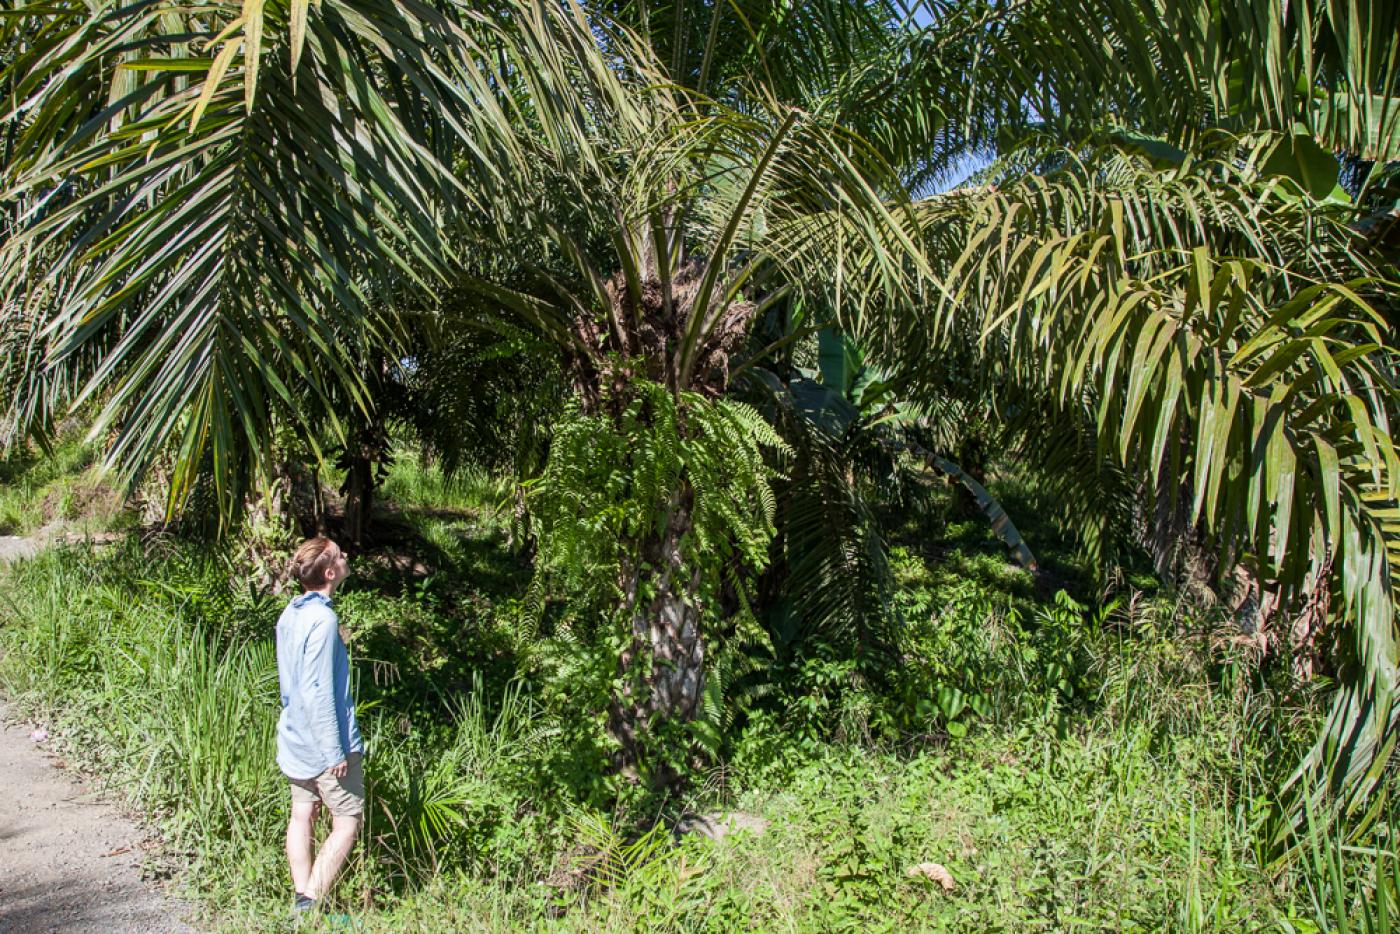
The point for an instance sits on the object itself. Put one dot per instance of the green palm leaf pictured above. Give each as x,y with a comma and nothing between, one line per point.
1220,327
222,243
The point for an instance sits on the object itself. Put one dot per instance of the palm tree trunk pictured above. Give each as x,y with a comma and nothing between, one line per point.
318,504
1180,551
664,666
359,496
519,538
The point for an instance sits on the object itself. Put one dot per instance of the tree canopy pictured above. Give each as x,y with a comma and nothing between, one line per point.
1184,253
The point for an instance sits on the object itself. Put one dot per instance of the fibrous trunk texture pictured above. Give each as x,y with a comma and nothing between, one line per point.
359,496
651,328
663,667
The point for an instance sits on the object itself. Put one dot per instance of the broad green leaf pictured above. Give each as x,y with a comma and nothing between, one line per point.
1301,159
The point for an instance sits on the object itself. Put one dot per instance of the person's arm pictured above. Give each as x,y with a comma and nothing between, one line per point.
319,684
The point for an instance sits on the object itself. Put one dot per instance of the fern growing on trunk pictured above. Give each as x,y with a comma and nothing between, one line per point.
644,508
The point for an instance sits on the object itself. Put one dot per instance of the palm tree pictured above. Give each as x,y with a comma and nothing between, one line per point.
691,218
1178,263
186,224
1222,329
202,233
195,185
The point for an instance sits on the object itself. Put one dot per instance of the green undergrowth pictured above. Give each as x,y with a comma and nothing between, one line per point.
1070,761
415,484
62,488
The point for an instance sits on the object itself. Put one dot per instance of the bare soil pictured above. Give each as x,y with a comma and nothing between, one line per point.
70,861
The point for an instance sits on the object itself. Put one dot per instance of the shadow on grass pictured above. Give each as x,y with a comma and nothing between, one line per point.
433,607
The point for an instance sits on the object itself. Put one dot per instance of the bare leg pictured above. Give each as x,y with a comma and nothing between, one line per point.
338,845
299,836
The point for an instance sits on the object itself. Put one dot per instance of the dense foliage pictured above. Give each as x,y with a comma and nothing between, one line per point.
679,278
1064,763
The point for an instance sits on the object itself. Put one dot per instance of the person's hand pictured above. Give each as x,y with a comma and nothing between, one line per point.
339,769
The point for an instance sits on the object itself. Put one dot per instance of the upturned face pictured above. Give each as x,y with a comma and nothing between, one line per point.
338,570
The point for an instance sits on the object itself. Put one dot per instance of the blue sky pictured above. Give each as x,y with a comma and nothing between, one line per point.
970,164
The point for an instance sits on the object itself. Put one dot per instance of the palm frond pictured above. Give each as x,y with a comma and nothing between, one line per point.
213,261
1228,329
1167,67
832,573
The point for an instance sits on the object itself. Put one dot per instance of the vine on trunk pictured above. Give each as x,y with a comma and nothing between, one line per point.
641,516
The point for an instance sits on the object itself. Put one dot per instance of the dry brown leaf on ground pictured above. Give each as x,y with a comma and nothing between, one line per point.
934,873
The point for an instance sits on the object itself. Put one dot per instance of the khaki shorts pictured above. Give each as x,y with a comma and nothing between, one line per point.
343,797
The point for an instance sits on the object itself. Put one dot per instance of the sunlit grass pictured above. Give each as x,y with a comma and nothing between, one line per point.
1142,804
65,489
416,483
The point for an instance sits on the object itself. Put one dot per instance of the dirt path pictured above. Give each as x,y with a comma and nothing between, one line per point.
13,546
69,861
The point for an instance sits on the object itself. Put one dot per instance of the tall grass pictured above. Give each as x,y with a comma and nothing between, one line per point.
413,482
183,722
442,796
1349,886
171,696
1129,790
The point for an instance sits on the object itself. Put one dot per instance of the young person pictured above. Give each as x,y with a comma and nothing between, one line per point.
318,740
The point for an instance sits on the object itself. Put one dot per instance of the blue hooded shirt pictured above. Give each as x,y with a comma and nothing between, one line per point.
317,728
